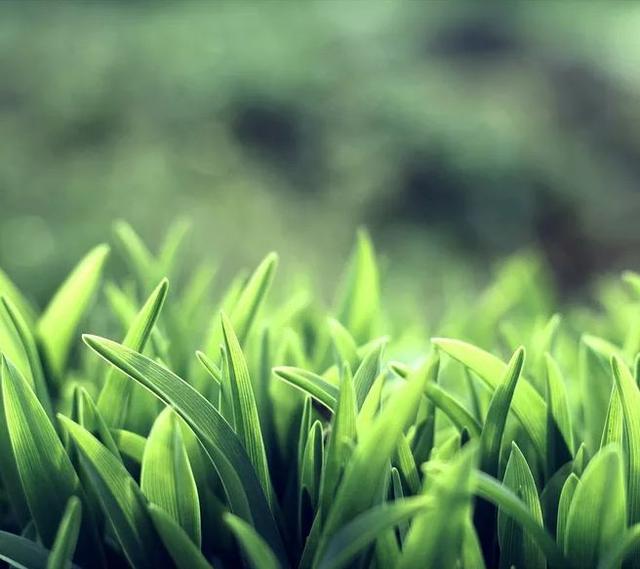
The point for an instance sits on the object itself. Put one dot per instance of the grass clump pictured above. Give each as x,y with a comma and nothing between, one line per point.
268,431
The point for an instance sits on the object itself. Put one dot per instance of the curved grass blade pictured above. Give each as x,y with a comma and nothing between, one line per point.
366,374
30,347
527,405
630,399
308,382
559,430
238,477
10,291
597,516
344,344
64,545
130,444
365,528
358,303
114,398
252,297
493,428
614,422
564,505
518,548
141,261
21,552
491,489
180,546
407,465
45,470
625,545
245,407
256,550
119,497
58,323
166,478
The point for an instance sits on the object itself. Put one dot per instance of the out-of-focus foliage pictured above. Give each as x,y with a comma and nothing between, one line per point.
452,130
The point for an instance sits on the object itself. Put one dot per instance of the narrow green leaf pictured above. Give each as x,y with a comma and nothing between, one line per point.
559,430
140,259
119,497
344,344
517,547
597,515
184,553
64,545
166,478
113,401
21,552
311,383
359,533
527,405
407,465
630,399
493,429
564,506
614,422
238,477
252,297
10,291
366,374
625,545
491,489
130,444
256,550
359,299
58,323
46,473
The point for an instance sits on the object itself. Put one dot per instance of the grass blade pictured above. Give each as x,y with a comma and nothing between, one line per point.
21,552
58,323
64,545
166,478
256,550
310,383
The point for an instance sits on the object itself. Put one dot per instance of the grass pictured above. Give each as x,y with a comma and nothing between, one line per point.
269,431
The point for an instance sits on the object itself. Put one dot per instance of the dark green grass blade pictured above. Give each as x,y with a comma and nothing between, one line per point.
64,546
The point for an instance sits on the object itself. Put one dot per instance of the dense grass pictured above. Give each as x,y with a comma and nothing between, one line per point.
269,431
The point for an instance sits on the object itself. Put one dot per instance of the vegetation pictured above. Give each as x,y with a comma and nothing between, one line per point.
267,430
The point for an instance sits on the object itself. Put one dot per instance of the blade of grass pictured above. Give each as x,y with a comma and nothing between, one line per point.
64,545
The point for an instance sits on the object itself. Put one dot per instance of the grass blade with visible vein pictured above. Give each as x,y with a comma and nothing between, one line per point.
242,486
57,325
308,382
119,497
528,406
64,545
597,515
517,547
113,401
166,478
564,505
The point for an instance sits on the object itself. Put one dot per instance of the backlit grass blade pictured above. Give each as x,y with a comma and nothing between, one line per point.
407,465
362,531
560,446
21,552
130,444
527,405
564,506
344,345
88,415
252,297
341,441
57,325
435,536
10,291
256,550
119,497
493,428
517,547
613,430
166,478
28,341
597,516
359,298
367,372
141,261
113,401
184,553
365,472
244,405
492,490
311,383
240,481
630,399
66,539
45,470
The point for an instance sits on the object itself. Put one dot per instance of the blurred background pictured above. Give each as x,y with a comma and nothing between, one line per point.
456,133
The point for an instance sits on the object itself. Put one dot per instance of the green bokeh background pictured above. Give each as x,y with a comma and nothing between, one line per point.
457,133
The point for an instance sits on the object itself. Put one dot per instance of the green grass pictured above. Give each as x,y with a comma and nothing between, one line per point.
269,430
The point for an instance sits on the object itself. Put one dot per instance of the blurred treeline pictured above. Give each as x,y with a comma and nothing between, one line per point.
457,133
